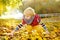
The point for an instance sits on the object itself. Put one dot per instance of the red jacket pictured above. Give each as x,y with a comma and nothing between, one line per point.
35,21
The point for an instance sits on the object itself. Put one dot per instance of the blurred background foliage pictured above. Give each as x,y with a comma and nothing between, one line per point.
6,5
41,6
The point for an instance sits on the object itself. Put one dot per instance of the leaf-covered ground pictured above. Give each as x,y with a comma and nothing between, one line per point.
29,33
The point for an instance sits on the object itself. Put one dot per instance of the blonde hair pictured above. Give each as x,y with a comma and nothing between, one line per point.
31,9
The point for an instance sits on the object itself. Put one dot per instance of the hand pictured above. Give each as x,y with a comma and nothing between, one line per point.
25,25
10,34
46,32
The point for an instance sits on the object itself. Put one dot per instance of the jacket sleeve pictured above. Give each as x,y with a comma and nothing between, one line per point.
44,26
23,22
38,18
19,26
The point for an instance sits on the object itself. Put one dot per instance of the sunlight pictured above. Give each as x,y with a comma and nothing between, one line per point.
15,14
57,0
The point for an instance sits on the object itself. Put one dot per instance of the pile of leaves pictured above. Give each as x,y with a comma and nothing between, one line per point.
27,33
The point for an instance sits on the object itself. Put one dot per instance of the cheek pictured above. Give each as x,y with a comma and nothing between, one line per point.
27,17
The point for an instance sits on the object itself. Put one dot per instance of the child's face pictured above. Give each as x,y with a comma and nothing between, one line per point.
28,15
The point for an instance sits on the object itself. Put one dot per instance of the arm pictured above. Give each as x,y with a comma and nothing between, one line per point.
44,26
17,28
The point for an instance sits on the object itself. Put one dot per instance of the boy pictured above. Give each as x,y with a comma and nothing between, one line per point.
30,18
